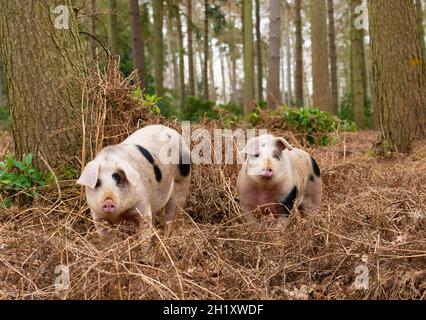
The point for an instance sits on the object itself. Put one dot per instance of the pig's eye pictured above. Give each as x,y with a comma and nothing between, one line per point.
98,184
257,155
276,155
119,177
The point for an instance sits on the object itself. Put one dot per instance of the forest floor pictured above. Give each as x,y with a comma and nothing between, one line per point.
367,242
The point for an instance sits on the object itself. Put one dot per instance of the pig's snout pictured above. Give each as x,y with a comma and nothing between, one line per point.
109,206
267,173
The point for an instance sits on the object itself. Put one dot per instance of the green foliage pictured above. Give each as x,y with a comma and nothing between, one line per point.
347,110
19,177
149,101
4,117
313,123
368,113
195,109
315,126
69,172
229,114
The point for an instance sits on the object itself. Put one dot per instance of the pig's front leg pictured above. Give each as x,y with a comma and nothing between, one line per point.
250,214
143,219
170,217
101,229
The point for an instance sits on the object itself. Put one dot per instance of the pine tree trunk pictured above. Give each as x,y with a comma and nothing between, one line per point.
333,57
399,76
173,47
298,77
248,56
358,69
190,49
259,54
93,27
137,42
1,86
181,57
42,66
320,65
222,69
114,27
212,90
420,27
206,51
158,13
274,95
288,55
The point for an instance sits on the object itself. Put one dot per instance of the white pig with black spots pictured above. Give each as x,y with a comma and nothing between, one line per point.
145,174
276,178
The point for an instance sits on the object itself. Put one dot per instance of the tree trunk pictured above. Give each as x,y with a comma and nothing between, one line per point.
358,68
222,69
248,56
173,47
1,86
333,57
181,57
320,65
190,49
206,50
93,31
298,77
158,13
289,95
399,76
420,27
42,65
137,42
212,90
259,54
114,27
274,95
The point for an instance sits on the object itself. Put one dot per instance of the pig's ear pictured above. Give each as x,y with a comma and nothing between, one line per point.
251,148
131,174
89,177
282,144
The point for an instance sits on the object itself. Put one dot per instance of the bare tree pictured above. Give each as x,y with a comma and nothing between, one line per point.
190,48
274,95
248,56
114,27
206,50
158,13
259,53
45,110
333,57
137,42
401,88
320,65
298,77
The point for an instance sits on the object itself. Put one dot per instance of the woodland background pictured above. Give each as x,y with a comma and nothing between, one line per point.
354,98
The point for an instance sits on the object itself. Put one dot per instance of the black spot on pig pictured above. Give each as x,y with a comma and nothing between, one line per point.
184,165
150,158
287,203
146,154
316,168
158,175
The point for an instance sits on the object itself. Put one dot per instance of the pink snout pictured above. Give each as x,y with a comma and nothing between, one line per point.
267,173
109,206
